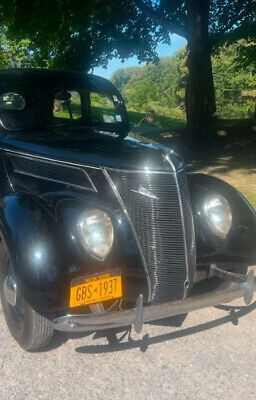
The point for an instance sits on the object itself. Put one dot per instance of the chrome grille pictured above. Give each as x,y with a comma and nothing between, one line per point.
164,229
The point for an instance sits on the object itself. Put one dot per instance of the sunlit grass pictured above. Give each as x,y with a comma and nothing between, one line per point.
174,121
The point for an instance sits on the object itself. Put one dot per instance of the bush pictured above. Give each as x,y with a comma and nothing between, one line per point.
233,110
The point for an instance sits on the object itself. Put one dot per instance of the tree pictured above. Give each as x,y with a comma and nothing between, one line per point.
161,86
124,75
246,52
234,82
14,53
78,34
155,85
205,24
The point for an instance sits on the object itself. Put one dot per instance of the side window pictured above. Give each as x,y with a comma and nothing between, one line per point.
67,105
12,101
103,109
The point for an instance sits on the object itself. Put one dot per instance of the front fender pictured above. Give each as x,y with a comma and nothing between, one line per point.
239,247
47,254
31,235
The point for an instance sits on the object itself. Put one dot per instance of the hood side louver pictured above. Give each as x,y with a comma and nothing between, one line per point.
52,171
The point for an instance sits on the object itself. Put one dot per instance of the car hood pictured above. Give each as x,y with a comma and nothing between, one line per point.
97,149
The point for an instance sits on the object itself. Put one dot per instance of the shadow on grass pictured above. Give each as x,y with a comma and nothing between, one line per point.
235,146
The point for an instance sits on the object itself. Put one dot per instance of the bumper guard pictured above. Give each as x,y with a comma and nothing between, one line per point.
242,286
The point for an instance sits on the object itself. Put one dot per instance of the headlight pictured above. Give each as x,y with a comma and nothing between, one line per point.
218,214
97,233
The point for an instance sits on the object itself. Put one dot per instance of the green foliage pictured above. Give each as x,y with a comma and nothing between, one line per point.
124,75
80,35
100,100
246,53
231,79
157,85
161,86
14,53
101,105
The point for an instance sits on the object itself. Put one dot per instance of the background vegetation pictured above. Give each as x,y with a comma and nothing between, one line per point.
160,86
79,35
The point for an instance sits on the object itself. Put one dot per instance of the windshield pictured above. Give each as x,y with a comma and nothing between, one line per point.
24,108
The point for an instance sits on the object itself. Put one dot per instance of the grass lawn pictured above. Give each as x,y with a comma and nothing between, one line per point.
232,158
165,121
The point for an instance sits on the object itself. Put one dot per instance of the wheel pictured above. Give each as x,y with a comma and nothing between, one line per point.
31,330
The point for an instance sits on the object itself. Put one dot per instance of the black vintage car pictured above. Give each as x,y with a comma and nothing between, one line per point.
99,230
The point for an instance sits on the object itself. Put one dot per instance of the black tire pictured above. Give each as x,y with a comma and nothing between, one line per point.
32,331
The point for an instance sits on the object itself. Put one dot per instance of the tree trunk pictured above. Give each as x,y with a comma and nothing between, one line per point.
200,96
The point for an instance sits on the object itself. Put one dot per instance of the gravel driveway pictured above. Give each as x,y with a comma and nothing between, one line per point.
212,355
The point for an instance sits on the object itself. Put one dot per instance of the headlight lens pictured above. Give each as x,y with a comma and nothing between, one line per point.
219,216
96,232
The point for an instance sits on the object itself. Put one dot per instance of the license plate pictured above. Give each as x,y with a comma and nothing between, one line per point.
95,289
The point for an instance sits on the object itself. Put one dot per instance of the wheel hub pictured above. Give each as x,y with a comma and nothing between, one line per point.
10,290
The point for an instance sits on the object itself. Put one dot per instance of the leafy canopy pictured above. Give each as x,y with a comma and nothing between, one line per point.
79,35
15,53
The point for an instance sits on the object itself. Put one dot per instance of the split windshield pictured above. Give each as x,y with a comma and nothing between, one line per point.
25,108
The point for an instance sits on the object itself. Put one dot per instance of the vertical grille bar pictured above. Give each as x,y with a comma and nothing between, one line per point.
189,229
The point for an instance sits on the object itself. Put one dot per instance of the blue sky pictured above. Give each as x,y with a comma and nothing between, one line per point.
163,50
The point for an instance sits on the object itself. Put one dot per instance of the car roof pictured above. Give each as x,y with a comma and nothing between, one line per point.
41,77
25,74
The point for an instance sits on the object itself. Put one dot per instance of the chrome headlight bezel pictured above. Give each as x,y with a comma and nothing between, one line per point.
217,204
96,233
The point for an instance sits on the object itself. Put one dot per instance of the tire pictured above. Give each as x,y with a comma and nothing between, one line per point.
32,331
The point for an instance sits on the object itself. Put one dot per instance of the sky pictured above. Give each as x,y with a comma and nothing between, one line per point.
163,50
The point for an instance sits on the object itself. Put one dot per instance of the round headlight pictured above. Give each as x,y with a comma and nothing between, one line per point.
97,233
218,214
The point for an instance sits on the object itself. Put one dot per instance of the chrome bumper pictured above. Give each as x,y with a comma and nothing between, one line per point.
141,314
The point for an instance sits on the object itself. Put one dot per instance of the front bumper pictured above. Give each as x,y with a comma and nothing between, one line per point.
240,287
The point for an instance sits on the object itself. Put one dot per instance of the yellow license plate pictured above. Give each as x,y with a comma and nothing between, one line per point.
95,289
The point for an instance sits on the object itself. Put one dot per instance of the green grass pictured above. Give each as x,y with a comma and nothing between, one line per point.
75,108
172,122
164,121
251,196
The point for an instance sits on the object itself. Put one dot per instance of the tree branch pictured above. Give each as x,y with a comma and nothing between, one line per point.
239,18
160,19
